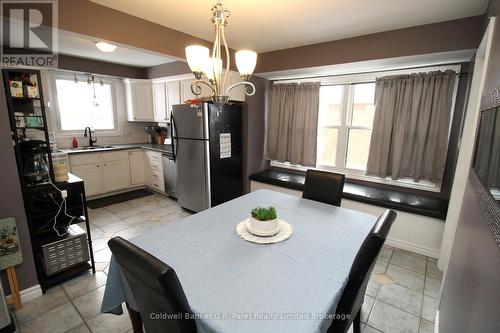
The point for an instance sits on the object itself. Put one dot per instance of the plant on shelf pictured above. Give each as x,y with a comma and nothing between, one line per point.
264,214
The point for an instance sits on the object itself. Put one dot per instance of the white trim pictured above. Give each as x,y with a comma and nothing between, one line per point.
412,247
436,322
28,294
466,145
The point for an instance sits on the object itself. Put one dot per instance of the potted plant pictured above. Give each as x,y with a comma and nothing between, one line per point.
263,221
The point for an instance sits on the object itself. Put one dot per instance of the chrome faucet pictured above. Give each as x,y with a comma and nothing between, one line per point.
91,142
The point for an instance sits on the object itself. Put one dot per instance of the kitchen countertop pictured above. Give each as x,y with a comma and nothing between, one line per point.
150,146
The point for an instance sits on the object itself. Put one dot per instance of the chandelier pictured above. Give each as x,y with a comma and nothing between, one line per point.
217,78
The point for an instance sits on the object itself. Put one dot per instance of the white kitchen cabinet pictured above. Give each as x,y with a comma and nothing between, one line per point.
173,95
136,159
186,92
102,172
91,175
116,175
139,95
160,102
153,170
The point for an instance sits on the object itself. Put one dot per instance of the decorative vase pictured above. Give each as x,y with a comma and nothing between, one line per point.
263,228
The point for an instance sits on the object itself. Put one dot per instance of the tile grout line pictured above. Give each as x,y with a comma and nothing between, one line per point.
76,309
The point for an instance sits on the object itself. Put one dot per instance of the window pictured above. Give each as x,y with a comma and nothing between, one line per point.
345,125
79,108
345,122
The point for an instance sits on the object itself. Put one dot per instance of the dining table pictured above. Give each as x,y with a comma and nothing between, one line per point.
233,285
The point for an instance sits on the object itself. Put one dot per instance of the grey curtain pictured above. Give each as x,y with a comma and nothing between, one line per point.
411,125
292,127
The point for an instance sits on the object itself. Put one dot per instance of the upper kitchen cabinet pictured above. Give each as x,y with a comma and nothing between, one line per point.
160,102
139,100
186,92
173,95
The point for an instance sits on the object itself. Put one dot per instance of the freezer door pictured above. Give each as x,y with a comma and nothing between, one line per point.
190,121
226,170
193,179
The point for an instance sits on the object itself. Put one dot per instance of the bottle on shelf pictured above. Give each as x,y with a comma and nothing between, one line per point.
75,142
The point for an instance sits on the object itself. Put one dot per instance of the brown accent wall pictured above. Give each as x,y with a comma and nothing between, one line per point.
11,201
77,64
168,69
254,127
91,19
452,35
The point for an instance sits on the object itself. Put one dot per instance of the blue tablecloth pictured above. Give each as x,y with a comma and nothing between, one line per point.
237,286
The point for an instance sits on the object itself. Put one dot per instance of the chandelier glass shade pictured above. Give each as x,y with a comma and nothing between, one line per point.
211,64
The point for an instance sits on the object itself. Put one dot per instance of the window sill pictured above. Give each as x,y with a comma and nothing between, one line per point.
393,197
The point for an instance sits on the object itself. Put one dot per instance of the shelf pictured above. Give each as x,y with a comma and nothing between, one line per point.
27,128
25,98
54,280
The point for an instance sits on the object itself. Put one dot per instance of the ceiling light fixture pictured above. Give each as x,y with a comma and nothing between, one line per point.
213,67
105,47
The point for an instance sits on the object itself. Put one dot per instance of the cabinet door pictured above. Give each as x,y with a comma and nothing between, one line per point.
160,102
116,175
91,175
136,159
173,95
186,92
142,101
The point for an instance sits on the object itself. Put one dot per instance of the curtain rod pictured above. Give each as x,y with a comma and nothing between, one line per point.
377,71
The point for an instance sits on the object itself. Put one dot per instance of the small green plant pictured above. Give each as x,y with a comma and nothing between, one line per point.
264,214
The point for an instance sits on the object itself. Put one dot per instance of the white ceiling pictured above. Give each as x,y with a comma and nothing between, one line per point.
265,25
84,47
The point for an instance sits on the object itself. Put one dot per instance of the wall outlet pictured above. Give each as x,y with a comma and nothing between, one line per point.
64,193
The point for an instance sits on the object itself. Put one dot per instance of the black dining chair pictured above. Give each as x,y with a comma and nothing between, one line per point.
349,308
155,287
324,187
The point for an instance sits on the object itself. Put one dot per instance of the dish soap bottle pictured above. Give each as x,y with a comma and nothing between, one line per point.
75,142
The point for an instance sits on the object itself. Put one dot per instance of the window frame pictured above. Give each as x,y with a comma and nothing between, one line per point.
349,81
56,115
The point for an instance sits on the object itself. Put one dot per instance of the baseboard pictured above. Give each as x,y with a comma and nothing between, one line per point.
433,253
29,293
436,322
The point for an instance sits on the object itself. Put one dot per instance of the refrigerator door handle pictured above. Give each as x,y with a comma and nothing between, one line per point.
174,135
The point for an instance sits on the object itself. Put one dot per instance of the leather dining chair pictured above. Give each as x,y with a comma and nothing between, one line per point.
324,187
349,308
155,287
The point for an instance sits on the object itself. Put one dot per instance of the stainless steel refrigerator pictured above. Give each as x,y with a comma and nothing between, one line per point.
207,148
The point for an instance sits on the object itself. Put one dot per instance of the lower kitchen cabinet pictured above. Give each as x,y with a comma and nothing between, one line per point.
91,175
136,159
112,171
116,175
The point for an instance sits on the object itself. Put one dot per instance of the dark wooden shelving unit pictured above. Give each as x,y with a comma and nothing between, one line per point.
40,200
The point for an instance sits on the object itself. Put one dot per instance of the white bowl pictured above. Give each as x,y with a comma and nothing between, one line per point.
263,228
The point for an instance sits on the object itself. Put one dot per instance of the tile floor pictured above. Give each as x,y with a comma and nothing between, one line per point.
401,295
